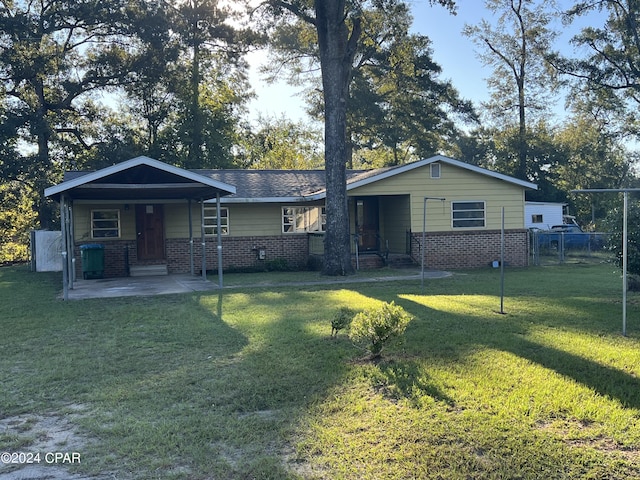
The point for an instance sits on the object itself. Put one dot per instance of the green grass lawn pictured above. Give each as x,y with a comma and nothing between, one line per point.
248,384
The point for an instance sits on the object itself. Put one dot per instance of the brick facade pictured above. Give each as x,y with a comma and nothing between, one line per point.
239,252
445,250
471,249
115,254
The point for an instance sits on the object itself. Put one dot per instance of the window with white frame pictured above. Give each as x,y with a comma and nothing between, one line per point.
468,214
211,220
105,223
303,219
435,170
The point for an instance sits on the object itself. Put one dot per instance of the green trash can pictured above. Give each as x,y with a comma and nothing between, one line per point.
92,260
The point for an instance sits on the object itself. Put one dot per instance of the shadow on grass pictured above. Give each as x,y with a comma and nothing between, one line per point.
407,379
607,381
441,335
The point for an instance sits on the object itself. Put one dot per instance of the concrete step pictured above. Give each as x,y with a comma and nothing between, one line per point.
148,270
400,261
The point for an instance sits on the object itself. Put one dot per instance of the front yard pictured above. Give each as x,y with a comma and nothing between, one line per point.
248,383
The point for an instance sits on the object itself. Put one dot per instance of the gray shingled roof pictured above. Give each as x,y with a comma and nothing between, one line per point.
275,184
293,185
266,184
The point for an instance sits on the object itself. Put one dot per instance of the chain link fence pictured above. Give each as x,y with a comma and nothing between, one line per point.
553,248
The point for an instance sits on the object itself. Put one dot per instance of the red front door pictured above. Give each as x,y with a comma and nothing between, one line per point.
150,230
367,223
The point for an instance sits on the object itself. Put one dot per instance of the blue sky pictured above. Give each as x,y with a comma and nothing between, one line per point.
454,52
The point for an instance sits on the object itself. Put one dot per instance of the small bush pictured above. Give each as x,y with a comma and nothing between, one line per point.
342,319
277,265
376,326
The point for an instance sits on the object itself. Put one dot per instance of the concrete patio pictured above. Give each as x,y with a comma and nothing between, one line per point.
185,283
138,286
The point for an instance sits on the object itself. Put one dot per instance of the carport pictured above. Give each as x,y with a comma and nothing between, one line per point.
137,181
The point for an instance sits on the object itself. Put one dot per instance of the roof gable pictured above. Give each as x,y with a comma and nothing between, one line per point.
381,174
140,177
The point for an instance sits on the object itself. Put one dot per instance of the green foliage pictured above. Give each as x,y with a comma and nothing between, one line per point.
17,218
278,143
376,326
611,63
341,320
399,109
614,225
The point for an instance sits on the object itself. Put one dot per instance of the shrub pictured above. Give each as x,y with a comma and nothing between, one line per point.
342,319
375,326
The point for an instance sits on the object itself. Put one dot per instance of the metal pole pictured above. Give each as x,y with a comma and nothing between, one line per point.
65,264
202,240
219,227
422,244
502,264
624,265
625,191
71,243
191,264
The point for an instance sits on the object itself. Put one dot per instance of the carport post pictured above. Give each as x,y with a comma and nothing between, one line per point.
72,260
219,230
202,239
191,238
65,265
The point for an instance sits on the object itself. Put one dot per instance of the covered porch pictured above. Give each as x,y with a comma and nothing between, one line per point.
131,209
380,229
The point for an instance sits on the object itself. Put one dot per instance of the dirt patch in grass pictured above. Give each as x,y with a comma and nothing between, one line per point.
43,446
595,441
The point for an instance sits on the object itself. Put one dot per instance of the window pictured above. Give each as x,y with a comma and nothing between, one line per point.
467,214
211,220
536,218
303,219
105,223
435,170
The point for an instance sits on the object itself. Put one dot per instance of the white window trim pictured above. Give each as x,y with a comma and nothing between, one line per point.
224,221
484,215
103,229
305,211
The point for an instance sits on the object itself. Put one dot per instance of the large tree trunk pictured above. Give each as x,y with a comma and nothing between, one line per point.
337,49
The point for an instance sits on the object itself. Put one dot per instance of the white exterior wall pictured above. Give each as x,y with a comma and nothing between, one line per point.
551,214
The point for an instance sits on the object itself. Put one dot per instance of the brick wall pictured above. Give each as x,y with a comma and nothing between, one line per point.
445,250
471,249
239,252
115,253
